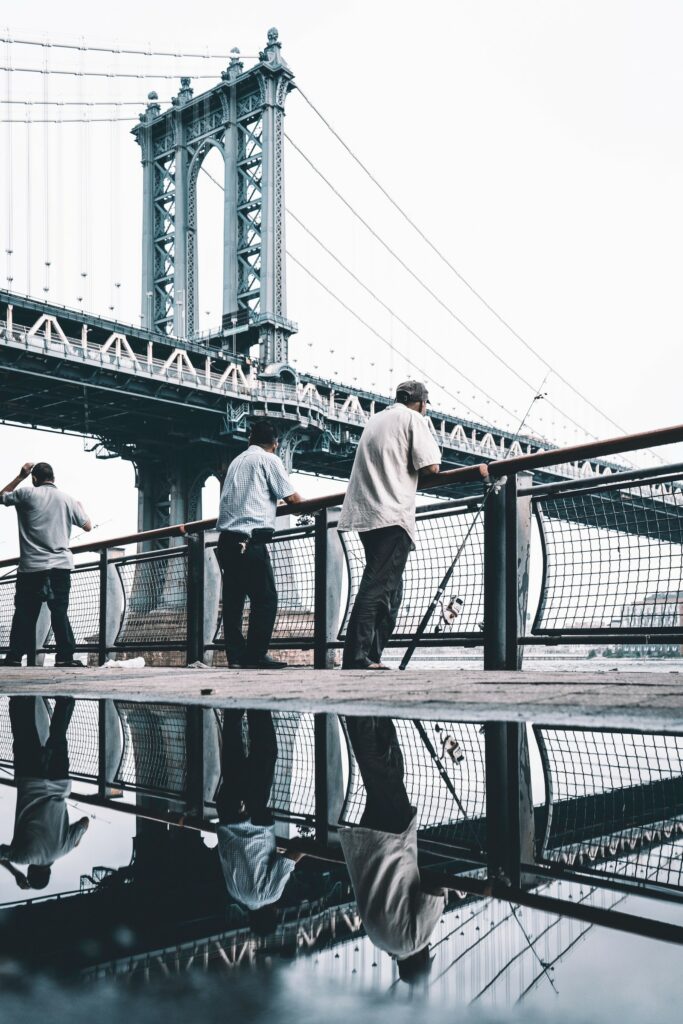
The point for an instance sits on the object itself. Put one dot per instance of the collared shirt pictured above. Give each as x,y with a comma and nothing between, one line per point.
42,832
45,516
397,915
254,483
395,445
255,873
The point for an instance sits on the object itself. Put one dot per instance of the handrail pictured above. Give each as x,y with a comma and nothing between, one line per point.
466,474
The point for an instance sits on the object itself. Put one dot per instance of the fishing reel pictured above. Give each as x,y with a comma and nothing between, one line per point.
450,611
450,745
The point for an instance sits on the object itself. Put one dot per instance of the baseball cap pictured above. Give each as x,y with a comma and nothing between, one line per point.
411,391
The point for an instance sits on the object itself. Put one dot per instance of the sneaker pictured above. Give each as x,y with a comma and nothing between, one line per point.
10,663
267,662
236,664
72,663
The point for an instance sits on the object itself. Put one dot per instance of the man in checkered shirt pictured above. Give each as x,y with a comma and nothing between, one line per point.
256,480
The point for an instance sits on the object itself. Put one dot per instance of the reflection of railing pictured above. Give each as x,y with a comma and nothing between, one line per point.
612,815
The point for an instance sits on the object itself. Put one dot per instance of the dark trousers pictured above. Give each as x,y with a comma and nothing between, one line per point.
31,758
380,759
378,600
247,777
246,575
53,586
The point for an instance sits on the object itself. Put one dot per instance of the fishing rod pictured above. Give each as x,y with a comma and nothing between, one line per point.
492,487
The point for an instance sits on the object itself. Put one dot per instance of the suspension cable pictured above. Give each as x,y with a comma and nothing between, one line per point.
9,163
430,291
387,341
444,259
126,50
46,176
385,306
29,225
106,74
369,327
63,120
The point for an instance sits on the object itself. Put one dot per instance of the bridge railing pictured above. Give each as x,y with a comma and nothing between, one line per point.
592,561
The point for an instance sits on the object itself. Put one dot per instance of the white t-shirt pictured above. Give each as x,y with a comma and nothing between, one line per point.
397,915
46,516
396,444
42,832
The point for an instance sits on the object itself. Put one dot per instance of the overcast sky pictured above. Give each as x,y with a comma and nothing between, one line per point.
537,144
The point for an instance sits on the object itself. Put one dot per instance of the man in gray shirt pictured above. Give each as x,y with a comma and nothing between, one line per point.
256,480
45,516
42,831
395,449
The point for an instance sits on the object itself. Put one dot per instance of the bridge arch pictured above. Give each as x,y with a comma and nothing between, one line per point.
194,170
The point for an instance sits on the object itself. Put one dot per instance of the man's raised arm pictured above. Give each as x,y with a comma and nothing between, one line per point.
23,473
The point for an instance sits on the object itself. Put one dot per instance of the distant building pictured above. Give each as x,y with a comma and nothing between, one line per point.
660,610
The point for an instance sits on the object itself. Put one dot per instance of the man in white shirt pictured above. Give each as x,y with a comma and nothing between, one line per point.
398,912
42,833
256,480
396,448
45,516
255,872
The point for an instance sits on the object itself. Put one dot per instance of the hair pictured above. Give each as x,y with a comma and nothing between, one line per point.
415,967
38,875
403,398
263,921
263,432
43,473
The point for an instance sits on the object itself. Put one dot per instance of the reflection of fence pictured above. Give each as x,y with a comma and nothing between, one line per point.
614,803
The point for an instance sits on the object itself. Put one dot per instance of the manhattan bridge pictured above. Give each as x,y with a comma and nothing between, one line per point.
169,395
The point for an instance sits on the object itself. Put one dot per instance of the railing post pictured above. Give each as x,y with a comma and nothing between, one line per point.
194,749
328,567
509,806
320,727
109,747
104,586
195,597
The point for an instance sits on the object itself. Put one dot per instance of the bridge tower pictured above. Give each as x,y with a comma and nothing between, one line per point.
243,117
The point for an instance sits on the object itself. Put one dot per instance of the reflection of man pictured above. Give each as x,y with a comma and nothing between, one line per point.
398,913
45,516
396,447
255,872
42,833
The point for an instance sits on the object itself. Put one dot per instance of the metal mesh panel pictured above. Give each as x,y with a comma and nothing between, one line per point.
7,587
155,592
154,754
613,560
438,538
425,787
83,738
84,607
6,741
610,794
292,794
293,560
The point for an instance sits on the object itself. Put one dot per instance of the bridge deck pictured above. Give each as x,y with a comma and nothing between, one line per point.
648,701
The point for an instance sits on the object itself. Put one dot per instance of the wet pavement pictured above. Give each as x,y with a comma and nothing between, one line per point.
162,891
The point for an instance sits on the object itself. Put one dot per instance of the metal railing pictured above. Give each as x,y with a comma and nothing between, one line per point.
611,549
